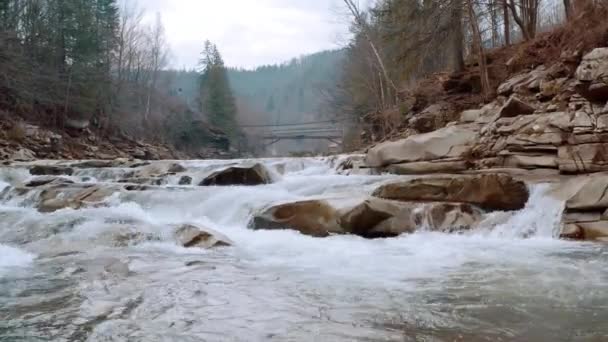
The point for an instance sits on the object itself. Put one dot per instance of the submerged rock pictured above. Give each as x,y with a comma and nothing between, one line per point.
51,170
192,236
239,175
315,218
72,196
185,180
46,180
488,191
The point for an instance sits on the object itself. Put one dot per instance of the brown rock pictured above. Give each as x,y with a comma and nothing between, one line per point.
192,236
239,175
363,219
488,191
315,218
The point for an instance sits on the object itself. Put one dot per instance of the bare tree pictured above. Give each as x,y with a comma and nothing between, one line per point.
483,68
525,14
365,29
158,59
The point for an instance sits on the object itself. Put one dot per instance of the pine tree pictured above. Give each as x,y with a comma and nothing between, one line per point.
216,98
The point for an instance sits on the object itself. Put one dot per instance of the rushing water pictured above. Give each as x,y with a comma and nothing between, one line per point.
64,276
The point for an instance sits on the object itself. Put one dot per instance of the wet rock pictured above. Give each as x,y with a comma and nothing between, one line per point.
51,170
449,142
72,196
488,191
185,180
124,236
239,175
363,218
315,218
515,107
41,181
176,168
452,217
190,236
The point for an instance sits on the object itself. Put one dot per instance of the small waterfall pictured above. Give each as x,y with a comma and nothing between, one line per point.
540,218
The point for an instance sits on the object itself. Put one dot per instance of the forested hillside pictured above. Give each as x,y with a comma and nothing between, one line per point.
94,66
406,55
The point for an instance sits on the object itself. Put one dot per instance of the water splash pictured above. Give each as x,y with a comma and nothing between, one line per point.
11,257
541,217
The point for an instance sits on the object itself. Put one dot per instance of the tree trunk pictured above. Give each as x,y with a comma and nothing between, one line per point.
568,9
360,21
507,24
483,68
457,40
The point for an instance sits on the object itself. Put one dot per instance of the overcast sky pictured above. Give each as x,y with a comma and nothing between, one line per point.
249,32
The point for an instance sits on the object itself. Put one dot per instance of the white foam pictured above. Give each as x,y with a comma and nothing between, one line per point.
11,257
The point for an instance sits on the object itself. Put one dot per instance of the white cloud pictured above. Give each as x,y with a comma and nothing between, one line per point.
248,32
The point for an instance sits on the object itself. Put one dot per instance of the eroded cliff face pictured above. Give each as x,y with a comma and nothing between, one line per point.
548,124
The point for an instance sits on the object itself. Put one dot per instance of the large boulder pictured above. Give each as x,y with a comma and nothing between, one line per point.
377,218
239,175
594,66
192,236
488,191
448,142
364,218
314,217
592,75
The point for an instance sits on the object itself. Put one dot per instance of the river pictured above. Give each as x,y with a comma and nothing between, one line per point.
65,276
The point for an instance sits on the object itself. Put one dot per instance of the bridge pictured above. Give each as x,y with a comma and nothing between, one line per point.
333,135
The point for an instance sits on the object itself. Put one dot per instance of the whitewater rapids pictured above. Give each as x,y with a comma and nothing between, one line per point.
62,277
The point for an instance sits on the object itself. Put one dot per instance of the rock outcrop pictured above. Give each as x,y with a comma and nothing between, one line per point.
239,175
449,142
488,191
